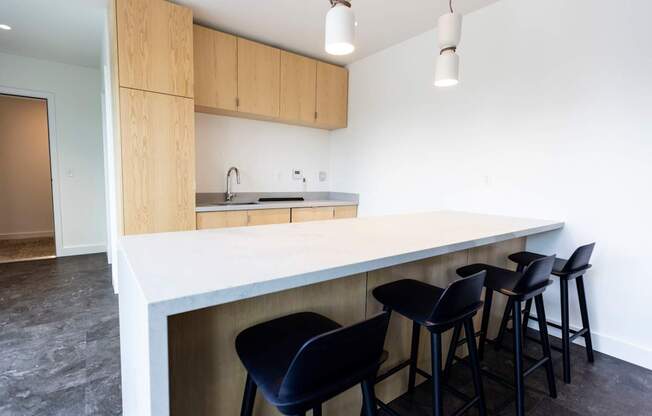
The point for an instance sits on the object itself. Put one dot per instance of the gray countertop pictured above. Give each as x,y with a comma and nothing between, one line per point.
211,202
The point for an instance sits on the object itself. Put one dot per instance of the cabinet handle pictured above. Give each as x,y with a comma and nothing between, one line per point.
237,101
315,115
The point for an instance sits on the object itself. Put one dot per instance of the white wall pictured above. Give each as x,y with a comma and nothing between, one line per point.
552,119
26,202
264,152
77,109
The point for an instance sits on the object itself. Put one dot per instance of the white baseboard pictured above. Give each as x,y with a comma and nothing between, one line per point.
26,234
635,354
82,249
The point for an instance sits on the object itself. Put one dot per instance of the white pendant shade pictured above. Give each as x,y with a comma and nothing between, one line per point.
447,69
449,30
449,33
340,30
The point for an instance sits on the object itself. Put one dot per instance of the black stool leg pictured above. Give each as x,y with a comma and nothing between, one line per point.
526,319
484,327
369,398
565,330
316,411
435,351
452,350
545,344
518,361
475,365
249,397
414,356
503,325
585,317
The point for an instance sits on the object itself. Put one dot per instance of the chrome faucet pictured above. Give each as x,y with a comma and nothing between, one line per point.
229,195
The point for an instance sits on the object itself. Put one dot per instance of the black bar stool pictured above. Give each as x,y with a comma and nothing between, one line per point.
518,287
302,360
567,270
438,310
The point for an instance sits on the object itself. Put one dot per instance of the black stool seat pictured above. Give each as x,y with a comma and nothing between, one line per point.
411,298
526,284
267,349
572,269
301,360
559,269
437,310
497,278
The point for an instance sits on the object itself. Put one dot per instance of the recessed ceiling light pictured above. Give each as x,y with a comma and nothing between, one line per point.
5,27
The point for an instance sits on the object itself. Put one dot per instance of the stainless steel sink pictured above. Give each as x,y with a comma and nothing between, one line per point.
236,203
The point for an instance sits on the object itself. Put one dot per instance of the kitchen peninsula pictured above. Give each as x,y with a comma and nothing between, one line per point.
184,296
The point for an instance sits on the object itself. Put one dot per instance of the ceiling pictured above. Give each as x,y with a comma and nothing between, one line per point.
68,31
71,31
298,25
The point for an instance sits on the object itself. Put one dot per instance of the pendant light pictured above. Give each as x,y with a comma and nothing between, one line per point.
449,33
340,28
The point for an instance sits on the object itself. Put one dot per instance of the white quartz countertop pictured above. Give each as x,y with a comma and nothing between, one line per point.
184,271
275,204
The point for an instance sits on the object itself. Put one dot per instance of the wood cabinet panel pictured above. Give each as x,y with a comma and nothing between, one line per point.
349,211
158,162
258,78
312,214
298,88
268,216
206,376
155,46
332,96
216,68
221,219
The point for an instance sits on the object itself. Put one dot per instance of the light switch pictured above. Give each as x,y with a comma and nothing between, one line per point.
297,174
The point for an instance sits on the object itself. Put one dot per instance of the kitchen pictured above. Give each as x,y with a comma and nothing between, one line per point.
342,208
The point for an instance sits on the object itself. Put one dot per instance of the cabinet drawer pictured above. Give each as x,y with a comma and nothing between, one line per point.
312,214
222,219
349,211
268,216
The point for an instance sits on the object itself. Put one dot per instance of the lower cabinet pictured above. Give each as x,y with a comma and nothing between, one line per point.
268,216
312,214
224,219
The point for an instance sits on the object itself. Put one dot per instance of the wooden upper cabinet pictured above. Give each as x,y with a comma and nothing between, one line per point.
158,162
298,88
155,48
258,78
332,96
216,69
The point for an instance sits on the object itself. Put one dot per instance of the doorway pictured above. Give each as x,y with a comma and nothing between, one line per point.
27,221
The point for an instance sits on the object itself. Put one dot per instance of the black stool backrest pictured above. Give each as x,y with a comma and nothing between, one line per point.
580,259
460,297
334,357
536,274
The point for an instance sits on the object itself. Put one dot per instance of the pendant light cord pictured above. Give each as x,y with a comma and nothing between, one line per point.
450,5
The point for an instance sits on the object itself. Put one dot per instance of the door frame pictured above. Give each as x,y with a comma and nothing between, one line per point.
54,157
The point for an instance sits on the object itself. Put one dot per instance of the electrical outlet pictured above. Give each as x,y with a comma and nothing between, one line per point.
322,176
297,174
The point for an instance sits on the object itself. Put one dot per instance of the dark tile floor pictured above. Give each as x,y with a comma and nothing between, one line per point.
59,345
60,355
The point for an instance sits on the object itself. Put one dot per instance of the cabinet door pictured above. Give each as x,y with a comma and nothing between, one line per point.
312,214
298,88
349,211
158,162
259,78
222,219
332,96
155,46
216,75
268,216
